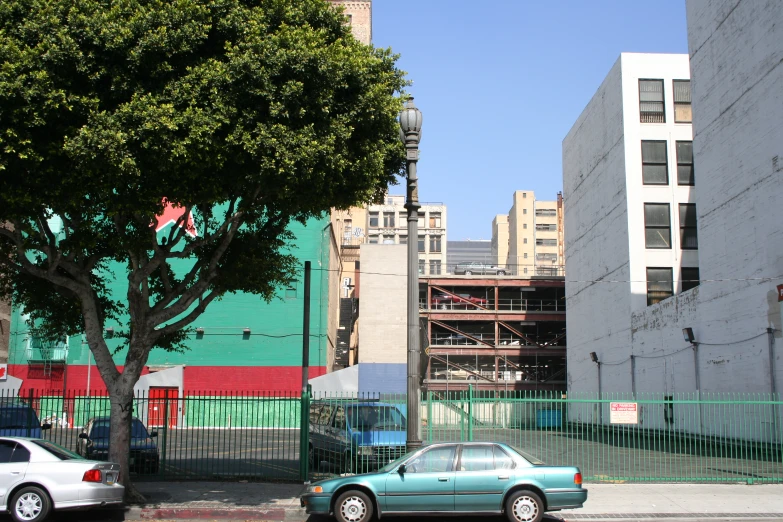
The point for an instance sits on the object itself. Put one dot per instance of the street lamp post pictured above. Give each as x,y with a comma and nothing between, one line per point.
410,133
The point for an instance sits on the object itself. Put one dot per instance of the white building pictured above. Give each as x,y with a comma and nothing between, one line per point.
736,62
388,224
630,234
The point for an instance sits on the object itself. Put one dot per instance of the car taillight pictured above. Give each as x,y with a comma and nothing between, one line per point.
578,479
93,475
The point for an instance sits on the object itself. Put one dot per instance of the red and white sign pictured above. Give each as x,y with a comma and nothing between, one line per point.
780,293
623,413
3,372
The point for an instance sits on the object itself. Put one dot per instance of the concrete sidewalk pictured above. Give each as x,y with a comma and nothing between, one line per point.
280,502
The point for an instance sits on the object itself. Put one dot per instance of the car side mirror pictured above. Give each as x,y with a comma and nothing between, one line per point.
83,436
401,470
154,434
46,426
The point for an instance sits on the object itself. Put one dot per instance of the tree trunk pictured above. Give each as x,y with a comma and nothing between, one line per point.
121,398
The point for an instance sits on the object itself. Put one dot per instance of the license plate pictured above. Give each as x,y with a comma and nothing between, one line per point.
111,477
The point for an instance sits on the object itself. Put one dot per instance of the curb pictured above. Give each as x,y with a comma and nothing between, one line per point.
185,512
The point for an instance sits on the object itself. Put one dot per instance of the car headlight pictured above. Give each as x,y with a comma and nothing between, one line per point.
315,489
365,450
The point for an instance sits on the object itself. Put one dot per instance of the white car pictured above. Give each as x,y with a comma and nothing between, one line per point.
38,476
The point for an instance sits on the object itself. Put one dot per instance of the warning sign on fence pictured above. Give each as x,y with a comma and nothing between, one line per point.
623,413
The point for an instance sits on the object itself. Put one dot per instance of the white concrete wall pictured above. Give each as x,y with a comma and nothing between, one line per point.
383,304
596,236
737,66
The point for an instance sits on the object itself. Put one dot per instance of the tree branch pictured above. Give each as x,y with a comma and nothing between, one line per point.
178,325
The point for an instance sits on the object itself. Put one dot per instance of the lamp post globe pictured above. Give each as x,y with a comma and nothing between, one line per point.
410,133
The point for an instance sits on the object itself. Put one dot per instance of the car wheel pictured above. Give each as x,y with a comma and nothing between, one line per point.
30,504
501,272
468,272
524,506
353,506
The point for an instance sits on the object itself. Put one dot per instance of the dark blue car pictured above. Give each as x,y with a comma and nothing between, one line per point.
94,444
355,436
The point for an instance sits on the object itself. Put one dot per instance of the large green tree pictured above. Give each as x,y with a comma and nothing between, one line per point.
246,114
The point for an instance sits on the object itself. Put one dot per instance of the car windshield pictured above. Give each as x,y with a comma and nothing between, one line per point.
527,456
393,464
367,418
16,418
57,450
100,430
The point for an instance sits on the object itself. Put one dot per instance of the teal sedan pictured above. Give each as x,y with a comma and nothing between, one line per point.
471,478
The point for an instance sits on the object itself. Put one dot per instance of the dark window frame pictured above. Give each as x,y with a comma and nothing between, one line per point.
652,115
648,227
691,280
651,162
681,163
688,230
680,103
662,294
436,243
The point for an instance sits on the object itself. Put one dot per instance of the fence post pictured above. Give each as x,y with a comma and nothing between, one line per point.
470,413
304,436
429,415
165,430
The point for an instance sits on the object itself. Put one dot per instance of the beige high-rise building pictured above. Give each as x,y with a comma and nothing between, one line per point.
529,240
500,239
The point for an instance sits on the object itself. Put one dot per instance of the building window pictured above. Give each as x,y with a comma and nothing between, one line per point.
546,212
524,255
388,219
655,170
421,267
685,163
290,292
434,219
421,243
387,239
373,220
546,242
524,194
546,257
651,108
689,278
434,243
347,230
546,227
434,267
688,238
421,221
524,225
373,240
524,270
657,225
403,240
524,211
682,101
524,240
659,285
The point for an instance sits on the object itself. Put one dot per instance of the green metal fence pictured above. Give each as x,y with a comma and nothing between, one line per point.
621,437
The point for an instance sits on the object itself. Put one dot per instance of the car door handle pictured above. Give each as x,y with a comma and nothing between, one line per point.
443,479
16,472
503,477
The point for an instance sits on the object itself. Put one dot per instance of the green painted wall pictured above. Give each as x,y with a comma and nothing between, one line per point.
276,327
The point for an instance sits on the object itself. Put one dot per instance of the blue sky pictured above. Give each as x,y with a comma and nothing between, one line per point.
500,83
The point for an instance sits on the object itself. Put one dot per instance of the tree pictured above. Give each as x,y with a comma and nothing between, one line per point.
245,115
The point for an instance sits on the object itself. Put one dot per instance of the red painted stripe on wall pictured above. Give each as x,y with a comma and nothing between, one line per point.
197,379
